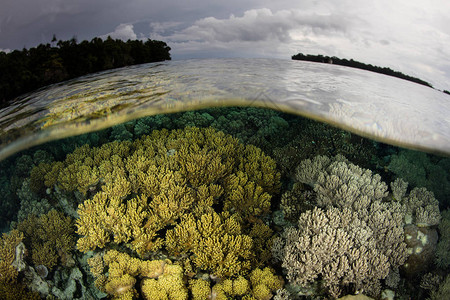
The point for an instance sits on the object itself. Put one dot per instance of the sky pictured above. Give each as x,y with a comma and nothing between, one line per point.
410,36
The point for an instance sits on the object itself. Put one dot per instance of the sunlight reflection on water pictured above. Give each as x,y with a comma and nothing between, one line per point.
380,107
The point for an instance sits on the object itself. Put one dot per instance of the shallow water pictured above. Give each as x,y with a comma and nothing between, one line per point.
380,107
406,235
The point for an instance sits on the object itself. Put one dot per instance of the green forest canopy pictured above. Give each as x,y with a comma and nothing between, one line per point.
356,64
29,69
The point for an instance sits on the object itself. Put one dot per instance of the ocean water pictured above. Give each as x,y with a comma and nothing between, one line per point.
226,179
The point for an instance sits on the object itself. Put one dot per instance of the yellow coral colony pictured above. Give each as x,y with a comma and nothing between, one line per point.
160,279
215,241
49,238
196,192
8,244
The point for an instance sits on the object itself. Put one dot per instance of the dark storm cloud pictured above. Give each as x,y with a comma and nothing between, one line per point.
410,36
262,24
30,22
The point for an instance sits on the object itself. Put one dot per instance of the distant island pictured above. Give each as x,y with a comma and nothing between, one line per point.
29,69
356,64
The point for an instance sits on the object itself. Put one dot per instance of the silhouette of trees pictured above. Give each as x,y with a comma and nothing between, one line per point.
28,69
356,64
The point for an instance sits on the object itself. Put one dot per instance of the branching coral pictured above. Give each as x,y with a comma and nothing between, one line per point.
160,279
105,218
341,184
163,190
16,291
216,242
8,254
200,289
444,290
296,201
260,284
264,283
343,250
423,170
245,196
169,285
443,247
49,237
421,208
138,188
354,240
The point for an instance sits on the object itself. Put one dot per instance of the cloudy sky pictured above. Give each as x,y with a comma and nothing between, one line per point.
411,36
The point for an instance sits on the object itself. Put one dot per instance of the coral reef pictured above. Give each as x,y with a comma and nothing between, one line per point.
296,201
345,249
353,240
70,286
421,246
169,285
341,184
421,215
443,292
264,283
200,289
423,170
260,284
49,238
443,246
216,242
430,281
136,189
16,291
186,213
11,250
309,138
30,203
160,278
421,208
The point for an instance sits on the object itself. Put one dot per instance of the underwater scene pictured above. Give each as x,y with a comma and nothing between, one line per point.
232,202
224,203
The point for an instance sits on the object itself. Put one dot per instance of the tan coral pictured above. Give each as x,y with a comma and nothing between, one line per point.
343,249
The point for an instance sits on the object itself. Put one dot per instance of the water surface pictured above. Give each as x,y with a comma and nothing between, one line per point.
381,107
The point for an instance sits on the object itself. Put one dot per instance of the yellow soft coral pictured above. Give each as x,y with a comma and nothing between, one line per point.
16,291
105,218
235,287
260,286
245,196
263,239
264,283
49,238
136,190
169,285
260,168
8,244
124,270
215,242
200,289
118,286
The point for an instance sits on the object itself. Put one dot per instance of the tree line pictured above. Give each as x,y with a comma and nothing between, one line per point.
29,69
356,64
